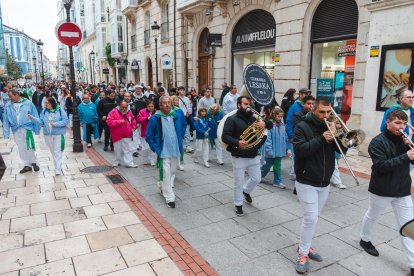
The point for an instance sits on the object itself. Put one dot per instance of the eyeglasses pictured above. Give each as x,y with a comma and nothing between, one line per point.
409,97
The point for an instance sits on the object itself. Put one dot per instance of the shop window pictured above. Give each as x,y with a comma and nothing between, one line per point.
396,73
332,73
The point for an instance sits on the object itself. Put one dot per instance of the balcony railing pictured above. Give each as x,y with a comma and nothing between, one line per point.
147,37
133,42
165,31
128,3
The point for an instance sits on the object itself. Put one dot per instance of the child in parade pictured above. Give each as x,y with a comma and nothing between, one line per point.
143,118
275,148
181,117
202,126
215,115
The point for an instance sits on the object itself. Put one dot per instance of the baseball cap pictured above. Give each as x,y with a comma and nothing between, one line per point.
137,86
305,90
63,86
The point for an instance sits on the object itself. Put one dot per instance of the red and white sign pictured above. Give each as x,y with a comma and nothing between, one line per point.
68,33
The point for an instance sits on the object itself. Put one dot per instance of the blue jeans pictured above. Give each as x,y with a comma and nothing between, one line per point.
270,162
1,113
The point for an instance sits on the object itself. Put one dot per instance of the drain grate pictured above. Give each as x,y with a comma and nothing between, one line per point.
115,178
96,169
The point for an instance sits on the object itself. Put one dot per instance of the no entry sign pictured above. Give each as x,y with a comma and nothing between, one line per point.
68,33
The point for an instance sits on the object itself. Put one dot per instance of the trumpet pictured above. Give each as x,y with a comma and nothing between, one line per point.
350,138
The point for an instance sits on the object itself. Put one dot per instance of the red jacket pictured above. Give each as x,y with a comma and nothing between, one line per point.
143,119
120,125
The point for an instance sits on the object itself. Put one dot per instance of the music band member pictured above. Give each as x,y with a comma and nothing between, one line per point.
390,182
314,165
243,158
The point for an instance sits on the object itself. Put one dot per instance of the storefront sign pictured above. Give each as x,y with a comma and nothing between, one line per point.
258,83
325,87
255,29
215,40
166,62
276,58
374,51
347,50
135,65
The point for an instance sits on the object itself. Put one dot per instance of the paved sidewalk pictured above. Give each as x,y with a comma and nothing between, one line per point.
264,241
74,224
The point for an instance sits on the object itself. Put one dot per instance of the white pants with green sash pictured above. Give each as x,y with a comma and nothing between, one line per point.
28,157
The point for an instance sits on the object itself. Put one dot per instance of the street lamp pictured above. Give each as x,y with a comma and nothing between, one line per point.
40,48
77,143
155,32
35,66
91,63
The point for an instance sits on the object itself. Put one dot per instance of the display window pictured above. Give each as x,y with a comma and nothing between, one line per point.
396,74
332,73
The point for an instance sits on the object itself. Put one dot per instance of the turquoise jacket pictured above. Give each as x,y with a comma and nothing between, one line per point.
88,115
275,145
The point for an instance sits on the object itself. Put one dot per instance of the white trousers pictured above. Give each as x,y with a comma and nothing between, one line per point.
312,199
137,138
124,149
26,156
403,211
169,166
336,178
219,149
202,149
147,155
240,166
53,143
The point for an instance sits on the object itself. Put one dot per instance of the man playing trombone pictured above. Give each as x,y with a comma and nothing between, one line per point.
390,181
315,148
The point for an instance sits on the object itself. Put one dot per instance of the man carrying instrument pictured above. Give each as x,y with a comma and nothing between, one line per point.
314,164
244,157
390,182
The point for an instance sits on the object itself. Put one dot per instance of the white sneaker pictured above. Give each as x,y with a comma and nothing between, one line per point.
196,160
89,145
339,185
206,164
115,164
280,185
189,149
57,172
152,163
132,166
220,162
99,140
180,167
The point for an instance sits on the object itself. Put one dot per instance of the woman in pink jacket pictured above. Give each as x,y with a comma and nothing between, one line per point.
143,118
121,124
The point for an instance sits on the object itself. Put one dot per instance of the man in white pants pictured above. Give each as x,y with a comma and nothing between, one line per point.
243,158
18,115
390,182
164,136
314,164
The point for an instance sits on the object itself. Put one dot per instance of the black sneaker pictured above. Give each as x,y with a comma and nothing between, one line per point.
26,169
369,248
247,197
35,167
135,154
294,191
171,204
239,211
106,148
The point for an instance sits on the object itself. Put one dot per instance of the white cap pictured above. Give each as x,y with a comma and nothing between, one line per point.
138,86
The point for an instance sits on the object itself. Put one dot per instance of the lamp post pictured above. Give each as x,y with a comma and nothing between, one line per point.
91,63
35,66
155,32
77,143
40,48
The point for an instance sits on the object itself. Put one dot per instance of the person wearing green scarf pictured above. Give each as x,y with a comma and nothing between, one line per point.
19,116
54,121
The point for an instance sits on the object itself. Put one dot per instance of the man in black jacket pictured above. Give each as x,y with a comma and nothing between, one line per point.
243,158
314,164
390,182
104,107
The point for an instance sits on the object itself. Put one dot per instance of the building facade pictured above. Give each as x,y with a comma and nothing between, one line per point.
3,70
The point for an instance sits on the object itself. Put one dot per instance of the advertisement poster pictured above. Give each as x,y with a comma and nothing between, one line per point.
339,91
348,83
325,87
395,79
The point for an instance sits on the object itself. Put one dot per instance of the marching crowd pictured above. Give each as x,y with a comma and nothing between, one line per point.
158,126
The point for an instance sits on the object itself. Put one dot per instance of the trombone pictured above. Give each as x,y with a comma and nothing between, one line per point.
350,138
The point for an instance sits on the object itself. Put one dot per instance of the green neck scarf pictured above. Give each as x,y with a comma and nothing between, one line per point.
400,107
62,142
169,114
160,169
22,100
